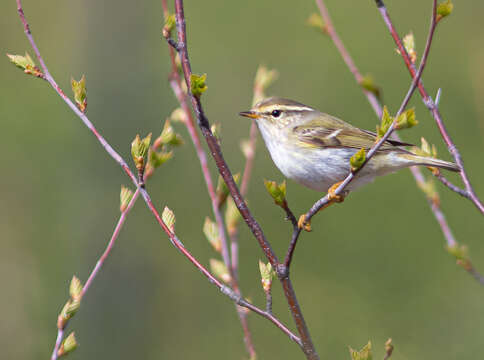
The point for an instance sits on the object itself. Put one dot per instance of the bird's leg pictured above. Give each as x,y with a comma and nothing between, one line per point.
332,199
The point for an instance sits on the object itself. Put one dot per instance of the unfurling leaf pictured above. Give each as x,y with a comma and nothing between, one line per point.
388,348
263,79
198,84
26,64
80,93
425,150
406,119
266,275
125,196
139,149
168,218
409,44
368,83
444,9
246,147
358,159
277,191
386,122
67,312
210,229
68,345
170,22
167,137
316,21
75,289
363,354
232,216
222,190
220,270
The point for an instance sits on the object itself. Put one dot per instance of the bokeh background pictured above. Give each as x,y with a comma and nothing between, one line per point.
374,267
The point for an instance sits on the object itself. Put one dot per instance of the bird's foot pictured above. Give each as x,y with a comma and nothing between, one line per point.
334,198
303,223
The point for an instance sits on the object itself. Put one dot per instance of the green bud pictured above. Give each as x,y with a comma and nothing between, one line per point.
167,137
222,190
26,64
217,131
444,9
406,119
409,44
316,21
210,229
219,269
363,354
266,274
358,159
425,149
461,253
178,115
80,94
276,191
386,122
68,345
125,196
247,148
139,149
67,312
388,348
198,84
368,83
168,218
157,158
170,22
263,79
232,216
75,289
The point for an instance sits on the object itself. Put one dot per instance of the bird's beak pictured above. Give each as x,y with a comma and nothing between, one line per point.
249,114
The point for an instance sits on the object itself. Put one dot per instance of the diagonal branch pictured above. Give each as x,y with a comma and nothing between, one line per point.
429,103
227,291
239,201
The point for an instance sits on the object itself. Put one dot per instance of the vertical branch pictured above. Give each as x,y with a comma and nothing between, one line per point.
224,170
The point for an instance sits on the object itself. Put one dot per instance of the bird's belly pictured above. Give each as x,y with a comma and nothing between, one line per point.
317,169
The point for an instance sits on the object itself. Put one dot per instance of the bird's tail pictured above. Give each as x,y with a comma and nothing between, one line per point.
431,162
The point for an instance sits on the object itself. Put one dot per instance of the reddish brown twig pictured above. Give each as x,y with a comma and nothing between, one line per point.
430,104
181,47
171,235
419,178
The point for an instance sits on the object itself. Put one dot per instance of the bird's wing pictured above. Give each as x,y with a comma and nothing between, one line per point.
329,131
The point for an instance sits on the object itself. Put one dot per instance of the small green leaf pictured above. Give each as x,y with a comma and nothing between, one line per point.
425,150
167,137
220,270
266,274
363,354
75,288
170,22
386,122
26,64
168,218
358,159
139,149
198,84
125,196
210,229
68,345
406,119
368,83
232,216
444,9
277,191
316,21
80,94
222,190
67,312
409,44
263,79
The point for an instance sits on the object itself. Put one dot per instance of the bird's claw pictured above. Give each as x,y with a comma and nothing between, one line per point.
334,198
303,223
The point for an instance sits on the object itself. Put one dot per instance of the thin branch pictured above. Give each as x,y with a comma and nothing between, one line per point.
172,236
451,186
224,170
430,104
416,172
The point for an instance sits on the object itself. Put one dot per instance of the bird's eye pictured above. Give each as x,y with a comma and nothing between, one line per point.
276,113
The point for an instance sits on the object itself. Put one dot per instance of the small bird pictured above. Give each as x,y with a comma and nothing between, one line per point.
314,148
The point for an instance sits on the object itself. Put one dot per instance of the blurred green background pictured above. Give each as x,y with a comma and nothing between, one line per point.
374,267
